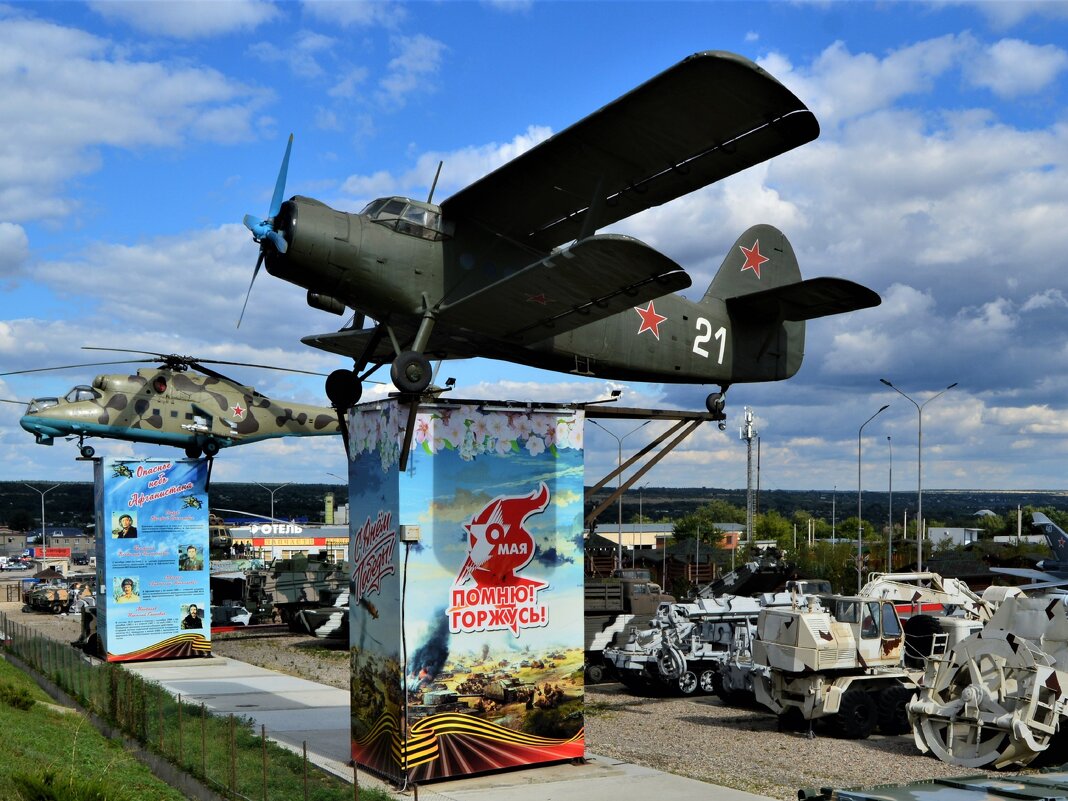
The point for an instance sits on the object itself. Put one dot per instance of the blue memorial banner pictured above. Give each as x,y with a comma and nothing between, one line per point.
153,595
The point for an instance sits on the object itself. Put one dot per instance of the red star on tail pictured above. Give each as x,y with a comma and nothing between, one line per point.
753,259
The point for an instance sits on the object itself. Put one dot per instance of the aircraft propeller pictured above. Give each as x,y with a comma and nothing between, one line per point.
264,229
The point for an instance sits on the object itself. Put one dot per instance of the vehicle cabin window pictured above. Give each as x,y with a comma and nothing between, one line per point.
869,627
406,218
847,612
641,589
80,393
40,404
891,624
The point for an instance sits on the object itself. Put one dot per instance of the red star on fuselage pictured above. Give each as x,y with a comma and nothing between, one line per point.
650,319
753,259
237,410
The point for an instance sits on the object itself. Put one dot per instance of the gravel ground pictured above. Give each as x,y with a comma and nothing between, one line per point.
697,737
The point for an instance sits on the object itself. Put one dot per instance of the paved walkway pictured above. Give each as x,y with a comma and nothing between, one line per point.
296,711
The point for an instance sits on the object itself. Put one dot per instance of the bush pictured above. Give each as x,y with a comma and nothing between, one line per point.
33,787
17,697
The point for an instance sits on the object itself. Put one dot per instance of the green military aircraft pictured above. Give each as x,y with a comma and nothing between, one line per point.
512,268
170,405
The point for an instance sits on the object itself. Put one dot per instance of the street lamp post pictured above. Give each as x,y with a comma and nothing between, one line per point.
919,464
44,535
273,491
619,484
860,521
890,510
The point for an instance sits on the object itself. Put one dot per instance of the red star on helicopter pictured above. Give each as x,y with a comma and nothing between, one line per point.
650,319
237,410
753,258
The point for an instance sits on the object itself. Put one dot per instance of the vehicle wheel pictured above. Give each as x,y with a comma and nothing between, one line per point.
791,719
192,451
857,715
410,372
920,631
688,683
87,451
893,709
708,681
594,674
211,447
343,389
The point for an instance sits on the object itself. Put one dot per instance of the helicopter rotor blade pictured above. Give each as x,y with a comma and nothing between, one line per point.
70,366
8,400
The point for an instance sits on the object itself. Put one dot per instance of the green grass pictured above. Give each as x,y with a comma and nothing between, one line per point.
224,752
40,742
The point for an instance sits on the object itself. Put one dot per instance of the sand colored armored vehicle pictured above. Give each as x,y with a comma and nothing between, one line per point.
57,595
998,698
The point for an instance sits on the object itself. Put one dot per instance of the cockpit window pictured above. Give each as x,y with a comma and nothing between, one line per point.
80,393
407,217
40,404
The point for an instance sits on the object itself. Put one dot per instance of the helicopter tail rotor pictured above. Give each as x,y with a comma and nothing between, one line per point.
263,230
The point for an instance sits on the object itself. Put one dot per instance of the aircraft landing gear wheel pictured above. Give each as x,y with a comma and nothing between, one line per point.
343,389
87,451
211,447
411,372
856,715
193,451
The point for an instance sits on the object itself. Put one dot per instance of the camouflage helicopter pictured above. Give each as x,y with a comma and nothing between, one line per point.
170,404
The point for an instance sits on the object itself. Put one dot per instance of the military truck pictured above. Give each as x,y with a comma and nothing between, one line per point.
839,659
628,599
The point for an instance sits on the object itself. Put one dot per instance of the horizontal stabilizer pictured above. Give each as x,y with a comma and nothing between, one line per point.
804,300
589,281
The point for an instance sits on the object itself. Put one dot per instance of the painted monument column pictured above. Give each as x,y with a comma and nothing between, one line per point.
153,596
466,623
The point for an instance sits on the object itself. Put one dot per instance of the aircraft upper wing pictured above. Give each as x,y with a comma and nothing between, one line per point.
804,300
709,116
590,280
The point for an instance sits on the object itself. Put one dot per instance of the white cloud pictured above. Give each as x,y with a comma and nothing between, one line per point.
413,69
14,249
356,13
189,19
66,94
1051,298
1011,67
300,55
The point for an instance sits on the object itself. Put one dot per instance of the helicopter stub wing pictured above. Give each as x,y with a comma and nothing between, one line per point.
710,116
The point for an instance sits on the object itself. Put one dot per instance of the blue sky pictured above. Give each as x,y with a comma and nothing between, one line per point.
135,136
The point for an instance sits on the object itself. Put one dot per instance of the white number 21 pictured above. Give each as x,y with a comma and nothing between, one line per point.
704,334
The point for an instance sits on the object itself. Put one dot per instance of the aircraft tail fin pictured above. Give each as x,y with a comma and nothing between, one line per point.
760,281
1055,536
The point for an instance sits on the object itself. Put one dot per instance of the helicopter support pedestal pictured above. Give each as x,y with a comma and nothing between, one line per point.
467,586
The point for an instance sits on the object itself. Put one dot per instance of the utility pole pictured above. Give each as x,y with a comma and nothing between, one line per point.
748,433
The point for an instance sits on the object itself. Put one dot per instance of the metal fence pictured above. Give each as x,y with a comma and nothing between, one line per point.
226,753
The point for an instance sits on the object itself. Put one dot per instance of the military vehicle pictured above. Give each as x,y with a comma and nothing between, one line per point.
300,582
57,595
326,622
998,698
629,598
199,410
703,646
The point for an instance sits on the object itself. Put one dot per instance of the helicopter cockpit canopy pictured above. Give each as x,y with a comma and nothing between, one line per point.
40,404
408,217
80,393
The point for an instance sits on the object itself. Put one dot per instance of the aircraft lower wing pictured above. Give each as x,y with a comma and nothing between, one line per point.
590,280
804,300
709,116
